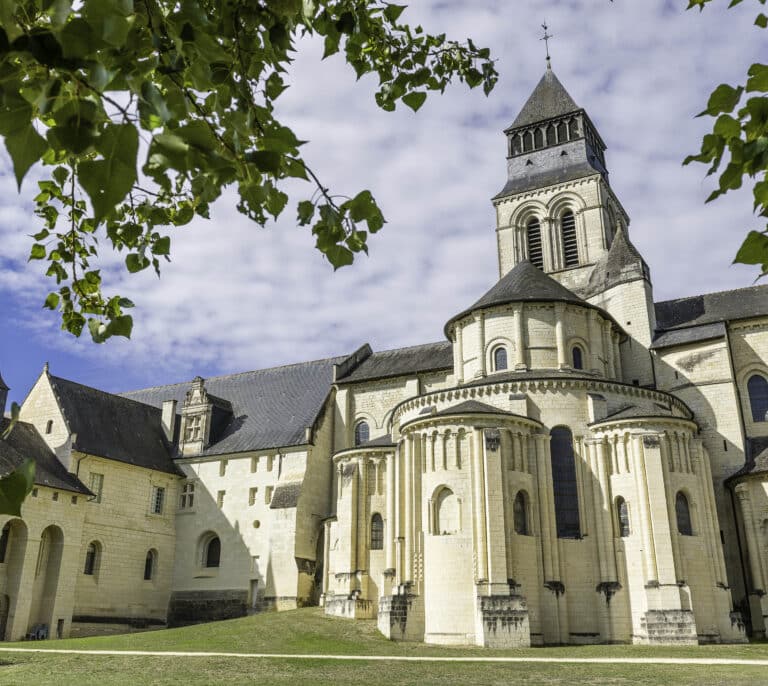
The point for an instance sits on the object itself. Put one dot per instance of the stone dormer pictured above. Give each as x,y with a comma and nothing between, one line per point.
202,415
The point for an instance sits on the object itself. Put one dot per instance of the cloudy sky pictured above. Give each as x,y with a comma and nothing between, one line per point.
239,297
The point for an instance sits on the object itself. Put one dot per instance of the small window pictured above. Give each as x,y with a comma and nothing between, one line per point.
570,244
220,499
252,492
683,512
254,464
96,486
49,426
212,557
223,467
187,500
447,513
757,388
193,428
362,433
150,563
520,514
73,500
268,494
500,359
55,495
622,517
377,532
578,359
158,500
535,253
92,558
4,541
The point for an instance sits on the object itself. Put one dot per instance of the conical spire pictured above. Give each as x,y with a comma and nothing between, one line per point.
548,100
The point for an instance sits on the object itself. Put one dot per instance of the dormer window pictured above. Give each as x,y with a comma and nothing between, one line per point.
193,428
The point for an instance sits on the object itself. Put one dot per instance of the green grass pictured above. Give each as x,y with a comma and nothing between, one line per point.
309,631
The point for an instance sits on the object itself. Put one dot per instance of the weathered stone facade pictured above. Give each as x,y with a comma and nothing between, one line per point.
574,464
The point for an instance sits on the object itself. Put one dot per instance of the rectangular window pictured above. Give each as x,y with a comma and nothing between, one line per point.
252,495
158,500
55,495
96,486
193,428
254,464
220,498
270,459
74,500
268,494
187,500
223,467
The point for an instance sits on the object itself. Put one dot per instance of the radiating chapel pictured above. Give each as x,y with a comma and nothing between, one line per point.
574,463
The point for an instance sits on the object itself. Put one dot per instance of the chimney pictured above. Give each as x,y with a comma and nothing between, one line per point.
169,418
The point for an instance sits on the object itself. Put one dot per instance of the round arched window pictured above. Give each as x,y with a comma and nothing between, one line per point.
500,359
362,433
520,514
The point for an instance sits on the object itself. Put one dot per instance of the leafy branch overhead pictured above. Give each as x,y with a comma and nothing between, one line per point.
143,111
738,144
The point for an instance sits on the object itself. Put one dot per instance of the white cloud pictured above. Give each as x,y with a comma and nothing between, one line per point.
237,296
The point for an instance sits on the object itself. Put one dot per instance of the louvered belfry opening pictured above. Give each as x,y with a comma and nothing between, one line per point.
570,246
535,253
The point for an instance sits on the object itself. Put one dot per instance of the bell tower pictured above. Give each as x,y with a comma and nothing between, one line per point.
556,208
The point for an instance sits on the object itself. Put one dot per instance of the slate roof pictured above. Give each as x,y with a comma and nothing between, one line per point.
551,176
635,412
113,427
621,264
271,408
723,306
523,283
549,99
756,458
23,443
469,407
384,441
693,334
403,362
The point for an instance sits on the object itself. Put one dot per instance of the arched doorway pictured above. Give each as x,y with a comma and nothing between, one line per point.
15,546
46,581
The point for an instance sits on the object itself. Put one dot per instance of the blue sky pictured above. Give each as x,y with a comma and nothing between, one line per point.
239,297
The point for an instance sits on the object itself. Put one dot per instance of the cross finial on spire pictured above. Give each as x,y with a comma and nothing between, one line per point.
546,38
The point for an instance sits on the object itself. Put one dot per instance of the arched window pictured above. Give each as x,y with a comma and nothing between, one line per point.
578,358
564,483
568,233
562,132
517,146
520,513
622,517
92,555
551,136
446,513
683,512
573,129
538,139
377,532
535,254
757,388
212,556
4,541
527,141
500,359
362,433
150,565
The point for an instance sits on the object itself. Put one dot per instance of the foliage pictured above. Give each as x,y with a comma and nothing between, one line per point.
187,87
15,486
739,144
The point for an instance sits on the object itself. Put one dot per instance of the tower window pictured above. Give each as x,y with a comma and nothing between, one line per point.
520,513
573,129
517,147
551,136
150,564
683,512
535,253
564,483
578,359
562,132
527,141
362,433
500,359
570,245
538,139
622,517
757,387
377,532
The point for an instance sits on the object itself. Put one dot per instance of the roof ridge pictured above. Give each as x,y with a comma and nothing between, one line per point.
100,391
411,347
703,295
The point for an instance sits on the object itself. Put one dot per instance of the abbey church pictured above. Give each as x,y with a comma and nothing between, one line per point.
573,463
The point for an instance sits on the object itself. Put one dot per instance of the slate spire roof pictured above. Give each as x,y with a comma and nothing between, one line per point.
548,100
622,263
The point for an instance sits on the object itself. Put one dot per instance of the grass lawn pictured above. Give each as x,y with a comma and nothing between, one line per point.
309,631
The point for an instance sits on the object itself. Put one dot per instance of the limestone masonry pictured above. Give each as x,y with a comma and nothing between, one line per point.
573,464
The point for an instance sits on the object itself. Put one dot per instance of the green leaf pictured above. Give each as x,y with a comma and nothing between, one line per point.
135,262
393,12
415,100
108,181
723,99
265,160
120,326
754,250
15,487
758,78
306,210
727,127
339,256
15,413
38,252
52,301
162,246
761,20
25,148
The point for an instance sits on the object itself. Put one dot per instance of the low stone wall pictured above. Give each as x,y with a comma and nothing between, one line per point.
193,607
401,616
349,607
502,622
669,627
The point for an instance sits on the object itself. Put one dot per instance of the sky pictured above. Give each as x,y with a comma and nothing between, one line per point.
237,296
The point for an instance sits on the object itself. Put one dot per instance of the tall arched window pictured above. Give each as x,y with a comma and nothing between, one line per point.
446,513
92,556
757,388
538,139
150,565
573,129
535,254
551,137
683,512
622,517
527,141
520,513
362,433
564,483
212,556
578,358
517,147
562,132
500,359
568,233
377,532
